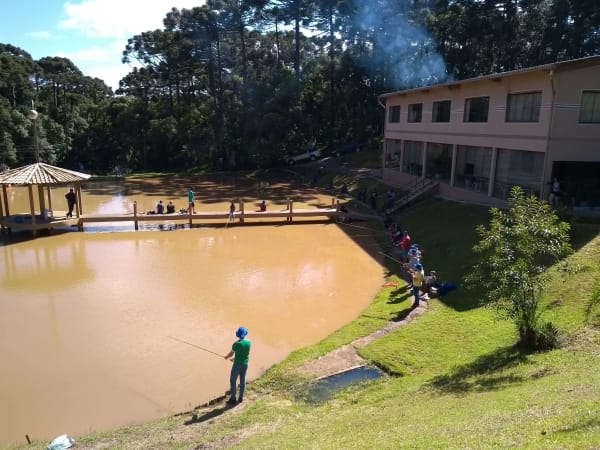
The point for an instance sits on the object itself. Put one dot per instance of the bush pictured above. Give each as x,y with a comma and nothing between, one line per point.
546,336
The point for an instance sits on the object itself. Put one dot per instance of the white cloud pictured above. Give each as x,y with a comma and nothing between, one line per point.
106,25
119,18
41,35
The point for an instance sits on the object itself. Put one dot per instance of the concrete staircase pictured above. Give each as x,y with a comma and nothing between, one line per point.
421,189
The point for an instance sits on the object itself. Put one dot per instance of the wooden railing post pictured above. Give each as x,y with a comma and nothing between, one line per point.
135,222
291,208
241,211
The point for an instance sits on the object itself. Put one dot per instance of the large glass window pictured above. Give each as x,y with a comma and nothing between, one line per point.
473,168
476,109
415,112
441,111
438,164
393,148
394,114
413,157
523,107
589,111
518,168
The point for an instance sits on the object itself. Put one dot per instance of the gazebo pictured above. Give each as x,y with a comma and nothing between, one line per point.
44,176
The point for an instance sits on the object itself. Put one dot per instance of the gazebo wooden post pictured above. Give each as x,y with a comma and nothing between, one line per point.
31,206
5,198
50,200
41,199
79,204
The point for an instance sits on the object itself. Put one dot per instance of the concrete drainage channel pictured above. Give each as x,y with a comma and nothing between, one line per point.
321,390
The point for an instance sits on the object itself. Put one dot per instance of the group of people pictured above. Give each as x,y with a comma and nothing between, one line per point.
422,286
160,208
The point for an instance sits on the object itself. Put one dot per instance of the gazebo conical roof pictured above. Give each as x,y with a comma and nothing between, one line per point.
41,174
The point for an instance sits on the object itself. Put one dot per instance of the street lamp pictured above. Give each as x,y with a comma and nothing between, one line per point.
33,115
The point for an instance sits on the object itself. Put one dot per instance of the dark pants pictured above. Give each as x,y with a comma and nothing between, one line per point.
71,207
237,370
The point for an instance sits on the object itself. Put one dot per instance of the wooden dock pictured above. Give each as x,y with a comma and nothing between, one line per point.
198,218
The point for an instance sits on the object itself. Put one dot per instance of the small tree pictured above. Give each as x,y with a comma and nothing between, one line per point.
516,248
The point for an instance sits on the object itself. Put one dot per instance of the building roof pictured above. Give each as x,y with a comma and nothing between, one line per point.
43,174
562,65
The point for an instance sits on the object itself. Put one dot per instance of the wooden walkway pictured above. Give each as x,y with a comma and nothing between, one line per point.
25,222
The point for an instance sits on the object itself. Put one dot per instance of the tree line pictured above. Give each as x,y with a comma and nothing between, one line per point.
245,83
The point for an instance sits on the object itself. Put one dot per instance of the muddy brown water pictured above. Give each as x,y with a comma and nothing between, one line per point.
91,323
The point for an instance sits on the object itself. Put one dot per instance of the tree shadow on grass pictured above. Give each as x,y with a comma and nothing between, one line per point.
486,373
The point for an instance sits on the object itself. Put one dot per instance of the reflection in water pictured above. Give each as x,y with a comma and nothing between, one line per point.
85,318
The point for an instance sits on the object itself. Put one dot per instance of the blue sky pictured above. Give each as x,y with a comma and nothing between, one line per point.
91,33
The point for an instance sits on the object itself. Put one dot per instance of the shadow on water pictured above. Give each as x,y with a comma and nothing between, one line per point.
323,389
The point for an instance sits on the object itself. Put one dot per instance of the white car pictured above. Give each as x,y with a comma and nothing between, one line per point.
309,155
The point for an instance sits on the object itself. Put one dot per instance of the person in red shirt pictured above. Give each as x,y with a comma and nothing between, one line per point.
405,244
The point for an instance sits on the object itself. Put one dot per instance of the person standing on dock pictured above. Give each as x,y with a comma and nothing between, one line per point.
191,205
71,200
241,350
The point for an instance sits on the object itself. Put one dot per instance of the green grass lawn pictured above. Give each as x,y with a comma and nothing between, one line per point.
454,377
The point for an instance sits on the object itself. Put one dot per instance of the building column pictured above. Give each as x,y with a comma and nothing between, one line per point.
453,169
402,142
490,192
424,159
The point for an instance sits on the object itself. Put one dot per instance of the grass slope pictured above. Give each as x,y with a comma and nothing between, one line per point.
456,379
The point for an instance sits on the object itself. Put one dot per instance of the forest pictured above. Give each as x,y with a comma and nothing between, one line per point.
243,84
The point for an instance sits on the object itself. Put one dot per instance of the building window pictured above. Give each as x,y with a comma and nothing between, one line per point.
476,109
472,170
438,163
589,112
412,159
414,112
523,107
393,151
441,111
394,116
518,168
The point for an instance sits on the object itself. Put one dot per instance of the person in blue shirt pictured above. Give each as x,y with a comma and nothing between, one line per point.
241,350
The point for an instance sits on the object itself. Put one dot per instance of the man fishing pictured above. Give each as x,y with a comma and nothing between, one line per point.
241,350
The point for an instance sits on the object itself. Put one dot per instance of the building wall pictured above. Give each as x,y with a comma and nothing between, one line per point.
521,153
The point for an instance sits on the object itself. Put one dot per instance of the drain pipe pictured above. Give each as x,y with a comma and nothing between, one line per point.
382,104
550,123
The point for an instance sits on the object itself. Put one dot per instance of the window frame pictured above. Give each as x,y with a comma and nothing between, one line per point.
594,116
533,116
436,115
394,114
467,117
415,113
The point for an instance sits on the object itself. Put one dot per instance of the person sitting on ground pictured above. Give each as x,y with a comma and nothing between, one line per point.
263,206
160,208
170,208
429,281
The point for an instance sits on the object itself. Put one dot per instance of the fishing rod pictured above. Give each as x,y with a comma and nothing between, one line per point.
194,345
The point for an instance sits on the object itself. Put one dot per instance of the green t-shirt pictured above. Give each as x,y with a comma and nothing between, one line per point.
242,351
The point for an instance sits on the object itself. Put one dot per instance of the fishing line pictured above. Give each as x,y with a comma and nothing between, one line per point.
196,346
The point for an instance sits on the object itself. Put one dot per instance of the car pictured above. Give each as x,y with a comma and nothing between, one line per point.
350,147
309,155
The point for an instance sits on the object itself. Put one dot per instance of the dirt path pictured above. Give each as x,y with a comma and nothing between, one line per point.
346,357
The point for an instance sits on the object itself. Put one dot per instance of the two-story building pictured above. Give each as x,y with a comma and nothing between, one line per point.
481,136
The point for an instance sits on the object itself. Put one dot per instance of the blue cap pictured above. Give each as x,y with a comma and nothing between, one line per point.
419,266
241,332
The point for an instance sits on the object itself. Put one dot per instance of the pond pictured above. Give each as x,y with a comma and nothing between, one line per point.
91,323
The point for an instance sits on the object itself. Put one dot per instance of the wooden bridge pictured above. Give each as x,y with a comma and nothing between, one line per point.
241,216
